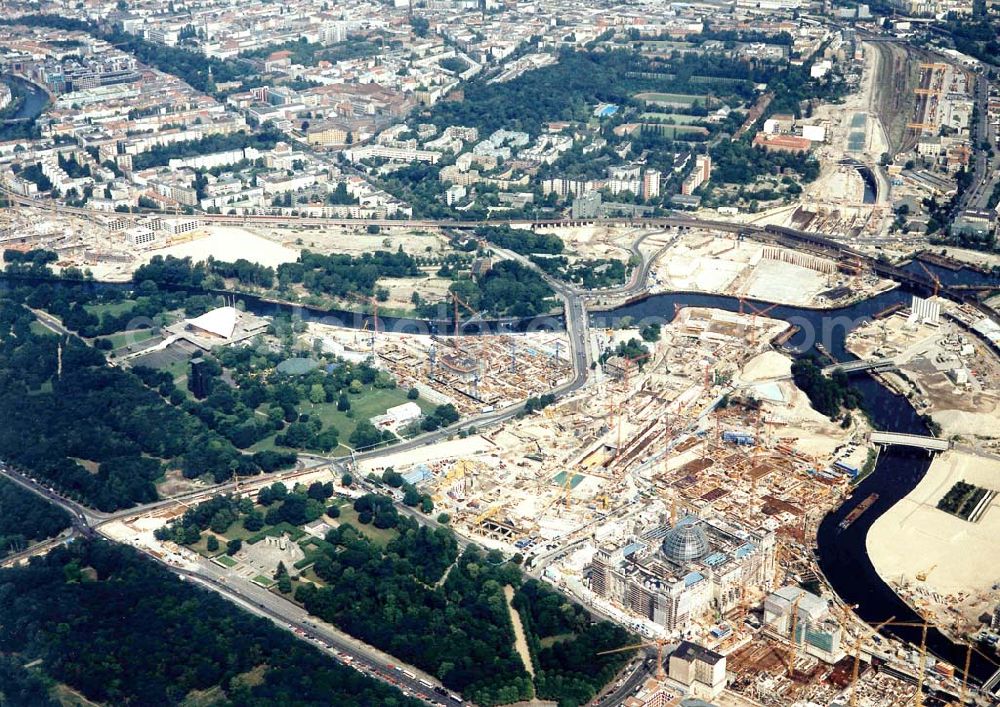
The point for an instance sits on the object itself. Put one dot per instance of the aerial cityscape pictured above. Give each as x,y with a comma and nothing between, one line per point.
500,352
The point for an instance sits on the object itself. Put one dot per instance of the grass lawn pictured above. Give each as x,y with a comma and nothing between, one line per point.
179,370
379,536
39,329
113,308
227,561
674,131
678,118
201,547
237,531
552,640
134,336
263,581
683,99
366,404
312,577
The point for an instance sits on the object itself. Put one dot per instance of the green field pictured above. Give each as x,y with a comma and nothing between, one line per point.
678,118
673,99
369,403
38,328
673,131
134,336
380,536
114,308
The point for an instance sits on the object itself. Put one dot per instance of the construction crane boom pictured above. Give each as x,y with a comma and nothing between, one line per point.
659,643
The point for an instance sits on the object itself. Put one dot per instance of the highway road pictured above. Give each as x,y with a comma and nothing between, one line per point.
88,523
327,638
984,171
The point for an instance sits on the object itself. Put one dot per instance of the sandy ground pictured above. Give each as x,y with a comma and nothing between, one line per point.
769,364
229,243
777,281
451,449
963,422
353,240
958,556
794,418
401,289
520,642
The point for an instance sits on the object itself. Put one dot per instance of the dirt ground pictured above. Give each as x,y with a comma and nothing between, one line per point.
960,559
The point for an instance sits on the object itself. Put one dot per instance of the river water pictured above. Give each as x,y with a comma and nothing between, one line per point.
841,553
34,101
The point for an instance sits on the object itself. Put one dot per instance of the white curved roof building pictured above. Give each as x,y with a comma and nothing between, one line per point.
219,322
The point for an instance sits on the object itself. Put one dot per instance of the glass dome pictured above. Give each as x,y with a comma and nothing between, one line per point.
685,543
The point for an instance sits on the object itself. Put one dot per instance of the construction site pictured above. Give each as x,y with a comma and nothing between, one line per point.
474,373
706,262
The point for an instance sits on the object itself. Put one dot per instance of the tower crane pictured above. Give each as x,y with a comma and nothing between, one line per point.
934,278
659,643
456,300
374,303
753,320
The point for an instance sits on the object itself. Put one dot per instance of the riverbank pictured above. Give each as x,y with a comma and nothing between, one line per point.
952,578
28,101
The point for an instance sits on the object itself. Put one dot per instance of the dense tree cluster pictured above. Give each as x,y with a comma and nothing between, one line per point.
311,53
442,416
420,599
144,309
31,263
571,669
26,518
95,432
122,630
633,350
962,499
183,272
521,240
343,275
508,289
263,139
22,687
740,163
283,508
539,403
264,400
828,394
591,273
459,631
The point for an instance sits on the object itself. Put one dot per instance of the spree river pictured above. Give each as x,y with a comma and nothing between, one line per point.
34,98
842,553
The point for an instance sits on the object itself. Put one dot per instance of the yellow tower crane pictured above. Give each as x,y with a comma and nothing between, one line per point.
659,643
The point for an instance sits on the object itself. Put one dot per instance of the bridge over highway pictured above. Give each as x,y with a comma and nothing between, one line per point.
931,444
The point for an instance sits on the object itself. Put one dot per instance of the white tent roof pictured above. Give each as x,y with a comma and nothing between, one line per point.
221,321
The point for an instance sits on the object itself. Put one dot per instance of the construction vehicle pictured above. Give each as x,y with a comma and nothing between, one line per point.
922,575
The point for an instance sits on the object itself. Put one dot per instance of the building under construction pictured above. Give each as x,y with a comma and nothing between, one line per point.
479,372
674,575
